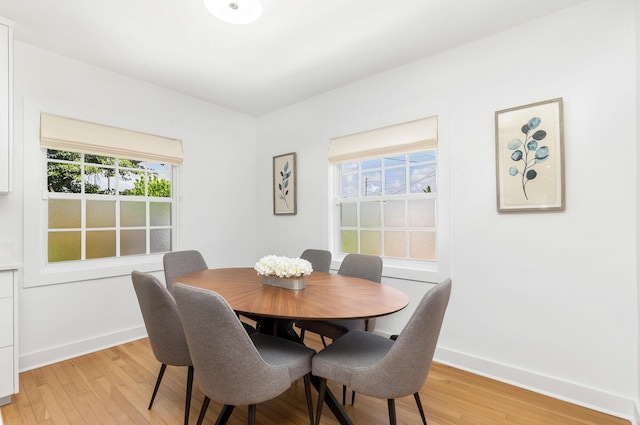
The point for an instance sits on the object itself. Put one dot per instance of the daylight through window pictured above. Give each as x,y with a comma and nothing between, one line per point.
100,206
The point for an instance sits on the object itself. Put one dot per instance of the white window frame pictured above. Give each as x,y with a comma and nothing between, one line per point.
37,272
405,269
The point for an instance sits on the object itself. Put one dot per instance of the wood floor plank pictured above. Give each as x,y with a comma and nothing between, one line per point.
113,387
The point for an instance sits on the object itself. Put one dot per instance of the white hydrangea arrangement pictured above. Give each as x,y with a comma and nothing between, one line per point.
273,265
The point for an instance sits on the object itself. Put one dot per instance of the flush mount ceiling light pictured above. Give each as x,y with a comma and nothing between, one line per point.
235,11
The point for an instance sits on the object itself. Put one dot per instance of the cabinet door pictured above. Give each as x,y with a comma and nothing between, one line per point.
6,371
5,108
6,322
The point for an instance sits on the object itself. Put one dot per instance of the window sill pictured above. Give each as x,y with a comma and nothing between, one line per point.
68,272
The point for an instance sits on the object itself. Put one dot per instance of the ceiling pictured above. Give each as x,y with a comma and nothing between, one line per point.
298,49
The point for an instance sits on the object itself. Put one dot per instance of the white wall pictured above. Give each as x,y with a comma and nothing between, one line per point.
218,194
544,300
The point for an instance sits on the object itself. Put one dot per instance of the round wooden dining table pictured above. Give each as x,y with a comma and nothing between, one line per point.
326,296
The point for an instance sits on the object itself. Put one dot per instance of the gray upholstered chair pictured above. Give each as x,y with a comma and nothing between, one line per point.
320,259
355,265
232,367
165,331
380,367
181,262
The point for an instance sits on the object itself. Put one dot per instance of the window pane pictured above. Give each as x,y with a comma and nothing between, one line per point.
99,180
160,213
394,215
64,214
63,178
159,186
422,245
63,155
395,181
131,183
349,186
160,240
101,244
422,213
63,246
371,163
133,242
350,166
395,244
349,241
348,215
133,214
370,214
370,242
101,213
395,160
423,178
97,159
371,183
426,156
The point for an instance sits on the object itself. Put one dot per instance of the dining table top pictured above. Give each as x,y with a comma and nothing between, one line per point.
326,296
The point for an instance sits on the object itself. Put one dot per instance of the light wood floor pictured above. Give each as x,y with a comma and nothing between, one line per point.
113,386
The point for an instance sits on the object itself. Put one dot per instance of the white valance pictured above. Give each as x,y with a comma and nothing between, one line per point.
68,134
412,136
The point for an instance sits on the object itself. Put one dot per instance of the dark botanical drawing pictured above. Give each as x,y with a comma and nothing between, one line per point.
529,152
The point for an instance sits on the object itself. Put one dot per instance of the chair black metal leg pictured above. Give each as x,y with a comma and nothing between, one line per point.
307,393
419,403
224,415
155,390
187,405
344,394
324,343
252,415
392,411
322,389
302,335
353,397
203,409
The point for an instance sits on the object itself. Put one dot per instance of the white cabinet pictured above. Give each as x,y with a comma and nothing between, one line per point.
8,335
6,105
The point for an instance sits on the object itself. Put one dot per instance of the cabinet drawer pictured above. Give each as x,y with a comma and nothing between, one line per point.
6,322
6,371
6,284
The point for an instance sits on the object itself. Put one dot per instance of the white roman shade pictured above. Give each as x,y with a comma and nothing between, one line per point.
68,134
412,136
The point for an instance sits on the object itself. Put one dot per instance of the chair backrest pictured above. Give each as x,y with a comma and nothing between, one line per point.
161,319
227,364
363,266
320,259
181,262
405,367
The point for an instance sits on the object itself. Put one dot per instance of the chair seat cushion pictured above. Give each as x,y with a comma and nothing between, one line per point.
281,352
357,349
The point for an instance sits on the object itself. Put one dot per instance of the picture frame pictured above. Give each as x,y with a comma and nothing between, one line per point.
530,157
284,184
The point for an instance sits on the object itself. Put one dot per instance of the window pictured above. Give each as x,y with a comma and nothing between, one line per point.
100,206
388,206
386,196
103,200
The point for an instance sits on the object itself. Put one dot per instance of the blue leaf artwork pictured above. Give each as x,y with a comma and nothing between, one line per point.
529,152
284,184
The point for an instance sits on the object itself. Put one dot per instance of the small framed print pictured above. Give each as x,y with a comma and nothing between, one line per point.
284,184
530,157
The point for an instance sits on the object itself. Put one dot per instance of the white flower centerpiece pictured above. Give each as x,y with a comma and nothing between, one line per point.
283,272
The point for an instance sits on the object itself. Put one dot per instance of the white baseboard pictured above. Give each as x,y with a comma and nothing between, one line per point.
52,355
591,398
635,420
